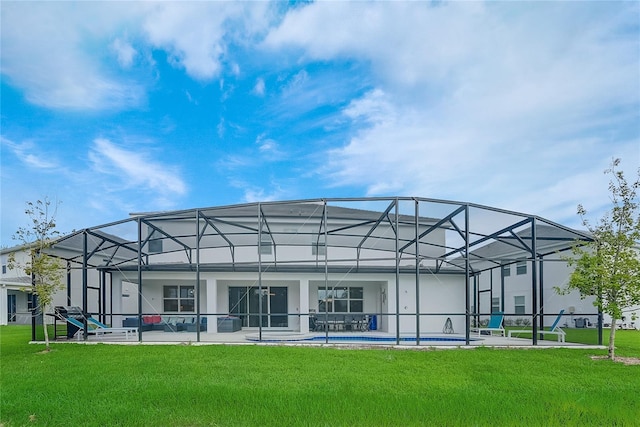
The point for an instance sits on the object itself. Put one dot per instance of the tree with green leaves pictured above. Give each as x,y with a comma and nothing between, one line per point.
44,269
608,268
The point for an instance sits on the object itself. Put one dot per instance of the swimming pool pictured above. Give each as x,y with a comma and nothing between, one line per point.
356,338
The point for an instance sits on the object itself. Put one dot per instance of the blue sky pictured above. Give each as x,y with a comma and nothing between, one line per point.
123,107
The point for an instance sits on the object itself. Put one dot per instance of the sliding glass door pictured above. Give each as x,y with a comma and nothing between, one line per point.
245,302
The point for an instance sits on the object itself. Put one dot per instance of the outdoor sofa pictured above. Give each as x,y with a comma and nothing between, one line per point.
149,323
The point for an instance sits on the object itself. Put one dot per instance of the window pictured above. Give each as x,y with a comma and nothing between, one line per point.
179,299
155,240
4,269
506,270
495,304
266,248
521,267
341,300
518,303
318,248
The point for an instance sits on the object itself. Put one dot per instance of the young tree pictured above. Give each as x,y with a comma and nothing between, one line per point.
45,270
609,267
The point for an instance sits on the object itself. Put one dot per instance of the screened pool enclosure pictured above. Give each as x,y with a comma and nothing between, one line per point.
397,270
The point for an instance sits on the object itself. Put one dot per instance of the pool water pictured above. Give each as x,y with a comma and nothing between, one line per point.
360,339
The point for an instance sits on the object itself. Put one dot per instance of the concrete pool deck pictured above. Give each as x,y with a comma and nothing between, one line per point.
351,339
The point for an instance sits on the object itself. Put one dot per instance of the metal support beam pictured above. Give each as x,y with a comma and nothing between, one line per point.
265,223
103,285
522,242
96,249
85,259
599,326
326,272
322,228
68,283
197,299
489,237
139,279
417,228
186,247
115,244
467,326
491,288
502,288
397,215
534,283
541,293
476,298
384,215
221,234
33,299
435,226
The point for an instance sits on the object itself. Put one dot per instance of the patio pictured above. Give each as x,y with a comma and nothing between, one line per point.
367,340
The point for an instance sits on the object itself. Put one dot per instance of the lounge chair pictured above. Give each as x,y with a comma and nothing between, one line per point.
101,329
495,324
79,327
554,330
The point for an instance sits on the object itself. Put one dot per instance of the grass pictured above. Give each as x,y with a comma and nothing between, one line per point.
219,385
574,335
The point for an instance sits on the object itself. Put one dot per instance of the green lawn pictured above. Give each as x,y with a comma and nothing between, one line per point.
582,336
181,385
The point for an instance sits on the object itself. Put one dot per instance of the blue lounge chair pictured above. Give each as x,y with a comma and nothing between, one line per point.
79,327
554,330
101,328
495,324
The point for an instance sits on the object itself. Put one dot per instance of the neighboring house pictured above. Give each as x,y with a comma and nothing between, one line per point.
508,287
14,301
277,266
15,286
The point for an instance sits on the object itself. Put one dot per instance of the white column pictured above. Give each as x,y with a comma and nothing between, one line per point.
212,305
116,289
304,306
4,315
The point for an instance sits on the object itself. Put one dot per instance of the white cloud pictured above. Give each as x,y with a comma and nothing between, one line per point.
258,194
479,101
297,81
220,128
270,150
470,50
55,61
407,42
29,154
267,145
52,61
407,152
190,98
135,169
259,87
194,32
124,52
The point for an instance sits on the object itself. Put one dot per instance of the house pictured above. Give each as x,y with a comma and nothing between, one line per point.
402,266
15,297
507,287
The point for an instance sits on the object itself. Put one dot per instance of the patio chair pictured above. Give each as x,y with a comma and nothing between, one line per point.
554,330
494,325
318,323
101,329
79,327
